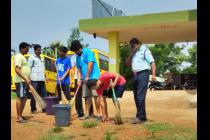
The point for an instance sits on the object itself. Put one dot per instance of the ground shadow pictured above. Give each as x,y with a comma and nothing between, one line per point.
28,117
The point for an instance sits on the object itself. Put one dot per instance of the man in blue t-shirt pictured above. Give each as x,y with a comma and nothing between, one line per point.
87,68
63,65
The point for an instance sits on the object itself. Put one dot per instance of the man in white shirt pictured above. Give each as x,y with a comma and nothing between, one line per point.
36,62
141,61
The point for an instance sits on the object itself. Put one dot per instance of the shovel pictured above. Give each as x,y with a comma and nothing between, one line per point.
118,119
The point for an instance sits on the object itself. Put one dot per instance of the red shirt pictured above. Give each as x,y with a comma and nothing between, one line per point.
105,79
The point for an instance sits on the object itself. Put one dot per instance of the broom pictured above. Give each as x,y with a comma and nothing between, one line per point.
64,100
118,119
75,94
38,99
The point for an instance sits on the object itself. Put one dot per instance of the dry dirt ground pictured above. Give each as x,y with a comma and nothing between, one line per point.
170,106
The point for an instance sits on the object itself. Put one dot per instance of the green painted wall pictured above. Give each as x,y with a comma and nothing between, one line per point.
126,21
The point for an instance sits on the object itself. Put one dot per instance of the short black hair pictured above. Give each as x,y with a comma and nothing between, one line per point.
36,46
134,41
75,45
91,82
23,45
63,49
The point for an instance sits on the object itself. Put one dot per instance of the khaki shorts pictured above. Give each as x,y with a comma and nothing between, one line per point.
88,92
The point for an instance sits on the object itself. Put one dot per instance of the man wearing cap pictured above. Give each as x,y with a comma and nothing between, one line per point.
36,62
141,61
21,79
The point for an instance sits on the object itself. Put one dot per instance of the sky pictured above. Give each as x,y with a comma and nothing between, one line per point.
45,21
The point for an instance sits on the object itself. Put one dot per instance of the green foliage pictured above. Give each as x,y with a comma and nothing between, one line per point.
156,127
50,51
56,130
108,135
124,70
169,132
75,35
56,45
192,59
89,124
56,137
167,57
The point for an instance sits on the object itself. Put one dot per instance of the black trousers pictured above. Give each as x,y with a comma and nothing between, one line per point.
39,86
141,80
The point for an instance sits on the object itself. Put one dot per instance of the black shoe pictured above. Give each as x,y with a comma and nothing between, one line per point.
99,118
43,110
137,121
80,115
92,115
84,117
34,112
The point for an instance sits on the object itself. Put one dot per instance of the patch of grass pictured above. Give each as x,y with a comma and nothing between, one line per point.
56,130
178,137
89,124
156,127
13,95
109,135
169,132
56,137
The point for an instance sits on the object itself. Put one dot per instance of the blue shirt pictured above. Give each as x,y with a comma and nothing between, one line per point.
82,64
63,64
141,59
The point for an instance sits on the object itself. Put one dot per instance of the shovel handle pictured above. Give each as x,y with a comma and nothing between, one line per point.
113,91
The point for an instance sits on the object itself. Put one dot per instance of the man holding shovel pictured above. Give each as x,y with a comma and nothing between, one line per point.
21,79
63,65
104,89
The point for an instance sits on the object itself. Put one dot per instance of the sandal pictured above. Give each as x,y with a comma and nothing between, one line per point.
109,121
21,121
99,118
24,118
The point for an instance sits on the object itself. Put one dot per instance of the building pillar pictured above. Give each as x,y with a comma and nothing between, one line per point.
113,52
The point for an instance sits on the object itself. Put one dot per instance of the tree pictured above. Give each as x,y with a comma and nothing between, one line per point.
124,70
192,59
50,51
56,46
167,57
75,35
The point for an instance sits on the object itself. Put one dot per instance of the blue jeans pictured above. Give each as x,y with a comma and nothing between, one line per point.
141,80
39,86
